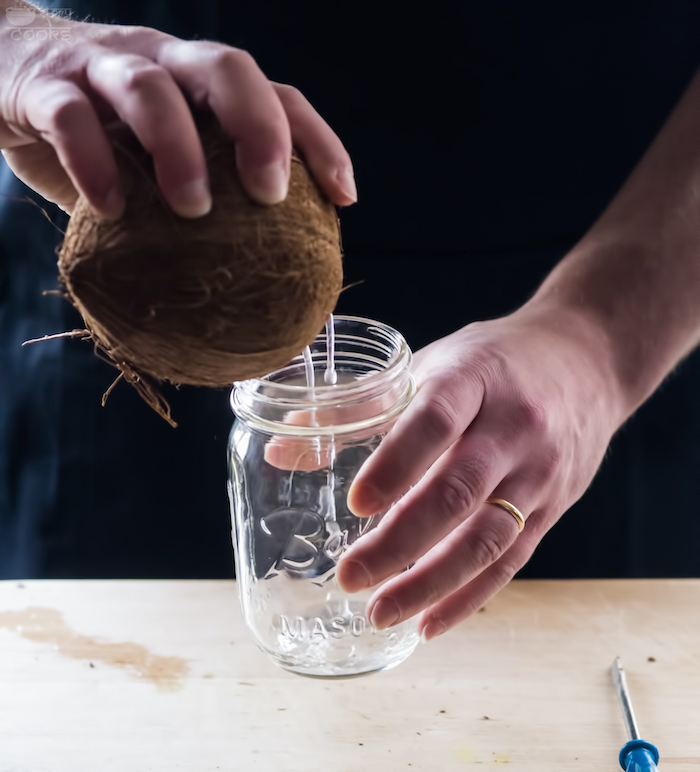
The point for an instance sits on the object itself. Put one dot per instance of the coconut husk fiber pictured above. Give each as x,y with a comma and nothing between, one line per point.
209,301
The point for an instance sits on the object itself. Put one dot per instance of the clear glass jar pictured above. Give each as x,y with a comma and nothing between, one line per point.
293,452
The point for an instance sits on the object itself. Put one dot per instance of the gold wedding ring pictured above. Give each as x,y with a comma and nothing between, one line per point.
511,509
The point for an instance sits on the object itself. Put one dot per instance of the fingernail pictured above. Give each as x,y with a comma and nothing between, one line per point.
270,183
346,180
434,628
192,200
365,500
352,576
384,614
113,203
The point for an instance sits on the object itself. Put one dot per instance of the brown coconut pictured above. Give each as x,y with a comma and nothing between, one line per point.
229,296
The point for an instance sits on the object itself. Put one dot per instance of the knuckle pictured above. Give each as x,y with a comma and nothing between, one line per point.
134,36
487,547
542,468
65,112
53,63
290,95
144,76
489,359
431,592
530,416
231,59
550,463
545,516
440,419
457,493
504,572
545,469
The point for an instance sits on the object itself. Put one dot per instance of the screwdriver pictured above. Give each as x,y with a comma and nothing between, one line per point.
637,755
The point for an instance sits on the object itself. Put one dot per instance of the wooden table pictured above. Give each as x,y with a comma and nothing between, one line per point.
133,675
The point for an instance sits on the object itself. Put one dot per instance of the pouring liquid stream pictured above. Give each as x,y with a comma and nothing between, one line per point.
330,378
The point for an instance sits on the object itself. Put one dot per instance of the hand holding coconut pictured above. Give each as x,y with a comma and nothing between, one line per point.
245,276
55,101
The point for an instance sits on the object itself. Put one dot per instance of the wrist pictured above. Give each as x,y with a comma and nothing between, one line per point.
585,349
639,293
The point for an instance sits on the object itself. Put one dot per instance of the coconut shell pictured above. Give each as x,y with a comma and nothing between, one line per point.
209,301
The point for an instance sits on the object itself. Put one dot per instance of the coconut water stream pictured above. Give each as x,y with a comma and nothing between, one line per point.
330,378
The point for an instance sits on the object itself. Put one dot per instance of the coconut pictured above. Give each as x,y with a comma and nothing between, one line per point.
209,301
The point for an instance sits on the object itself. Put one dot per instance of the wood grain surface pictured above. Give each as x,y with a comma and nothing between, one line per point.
131,676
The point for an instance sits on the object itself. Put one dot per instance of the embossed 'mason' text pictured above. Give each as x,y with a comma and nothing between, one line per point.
315,629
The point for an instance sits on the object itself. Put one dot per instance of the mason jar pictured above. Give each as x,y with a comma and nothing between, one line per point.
299,438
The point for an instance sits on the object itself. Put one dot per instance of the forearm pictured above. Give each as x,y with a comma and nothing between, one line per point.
636,273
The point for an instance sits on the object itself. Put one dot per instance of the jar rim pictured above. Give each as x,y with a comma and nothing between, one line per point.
290,397
402,358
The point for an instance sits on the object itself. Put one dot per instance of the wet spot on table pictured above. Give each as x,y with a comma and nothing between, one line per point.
46,625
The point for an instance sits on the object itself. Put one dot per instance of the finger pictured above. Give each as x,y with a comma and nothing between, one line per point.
453,489
230,83
323,151
311,452
464,554
64,117
37,165
438,415
461,604
299,454
145,97
292,453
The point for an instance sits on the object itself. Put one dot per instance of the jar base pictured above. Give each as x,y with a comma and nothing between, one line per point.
331,673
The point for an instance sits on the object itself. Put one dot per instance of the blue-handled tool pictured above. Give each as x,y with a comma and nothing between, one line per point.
637,755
